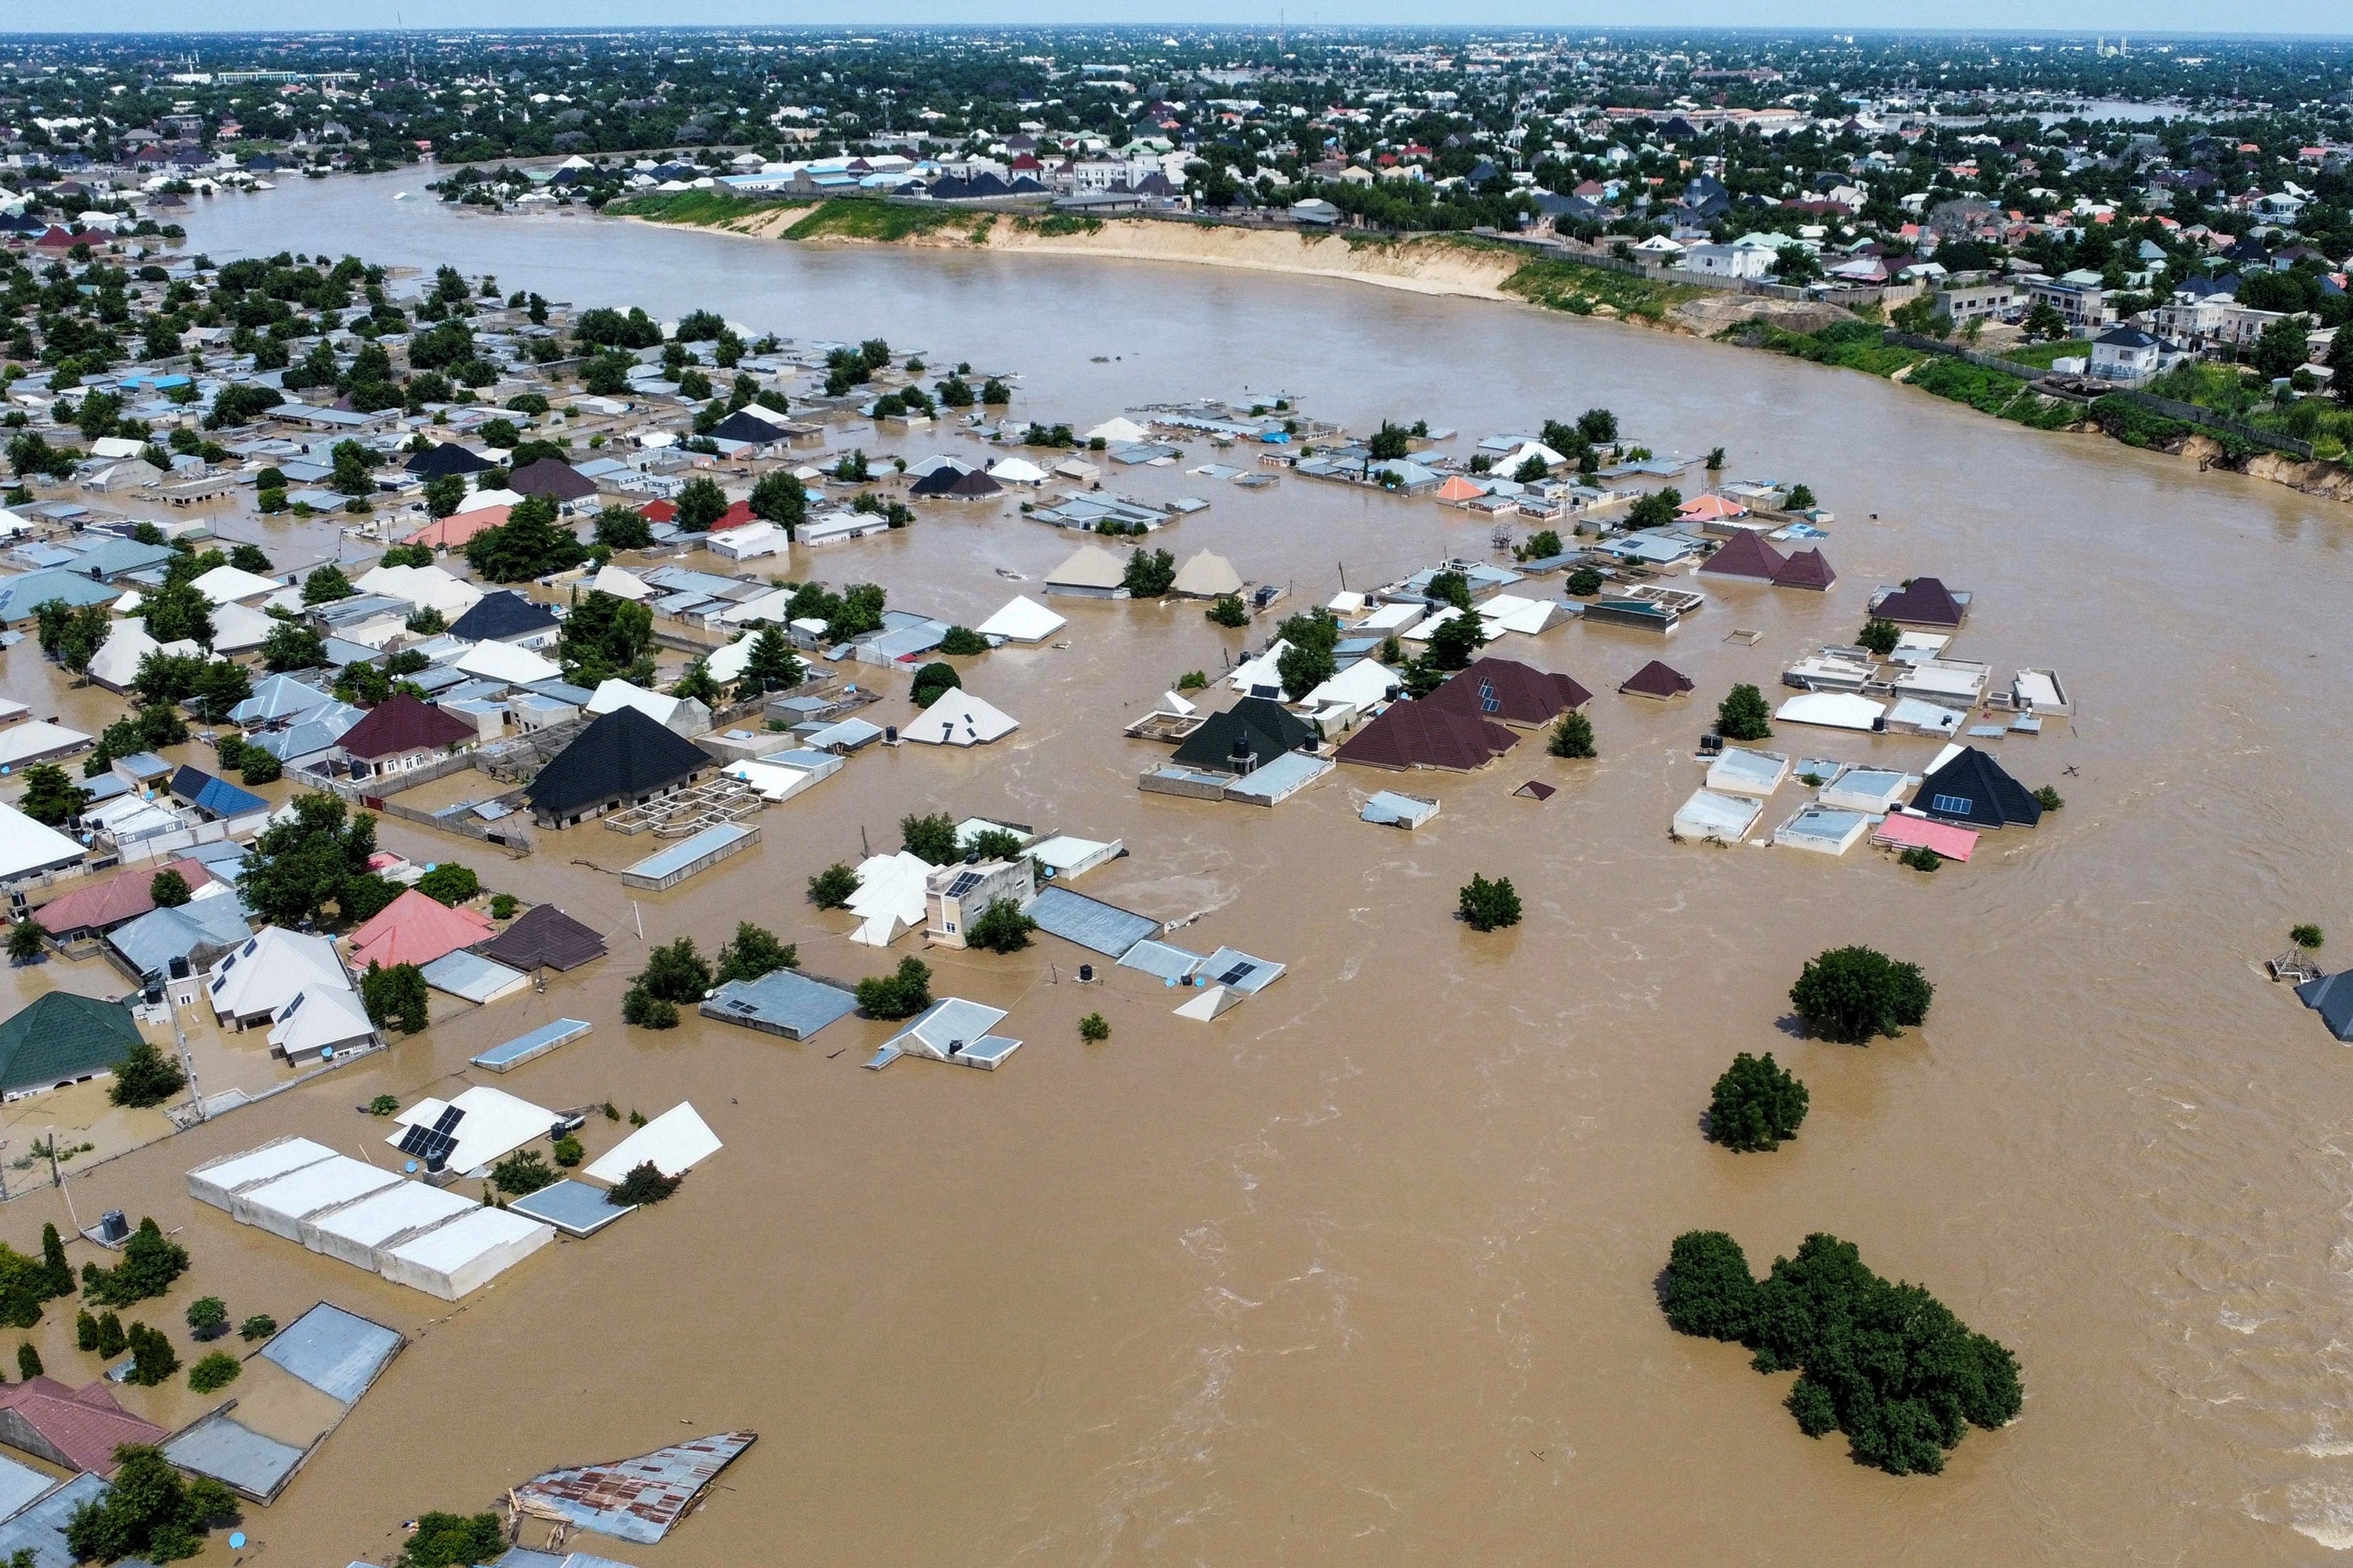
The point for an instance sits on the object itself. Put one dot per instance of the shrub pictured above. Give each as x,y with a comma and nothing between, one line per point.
449,884
675,972
85,1330
503,906
1192,680
1229,611
259,767
2048,798
1095,1030
645,1184
214,1373
151,1261
1585,582
1001,927
522,1172
1853,994
568,1152
28,1362
145,1077
902,994
962,642
208,1317
1756,1103
1572,737
1489,906
396,996
754,951
2305,936
111,1341
1744,716
1920,858
647,1011
259,1326
453,1541
831,889
383,1105
1879,635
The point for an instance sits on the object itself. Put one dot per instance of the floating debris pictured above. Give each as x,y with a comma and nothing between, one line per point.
639,1499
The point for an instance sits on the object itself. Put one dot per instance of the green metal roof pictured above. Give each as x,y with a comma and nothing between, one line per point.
62,1037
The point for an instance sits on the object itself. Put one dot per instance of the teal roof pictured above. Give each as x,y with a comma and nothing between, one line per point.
62,1037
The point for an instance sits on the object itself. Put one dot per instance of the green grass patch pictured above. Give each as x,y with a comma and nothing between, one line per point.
2043,356
1057,224
705,209
852,218
1573,286
1990,392
1850,345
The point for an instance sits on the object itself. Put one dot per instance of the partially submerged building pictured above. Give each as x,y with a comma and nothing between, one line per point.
1427,735
1971,789
59,1039
623,759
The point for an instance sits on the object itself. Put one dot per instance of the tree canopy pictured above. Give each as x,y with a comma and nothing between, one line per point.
298,867
1851,994
1756,1104
532,542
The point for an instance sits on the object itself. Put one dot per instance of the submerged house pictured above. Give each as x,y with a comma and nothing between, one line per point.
1251,733
1427,735
1748,555
60,1038
2331,996
623,759
1658,681
1972,789
1509,692
401,734
1923,602
1091,572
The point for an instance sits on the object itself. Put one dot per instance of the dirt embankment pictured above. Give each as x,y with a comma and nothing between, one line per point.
1435,265
2333,481
1715,313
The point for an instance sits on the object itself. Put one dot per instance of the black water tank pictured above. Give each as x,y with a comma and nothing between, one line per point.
1086,973
890,734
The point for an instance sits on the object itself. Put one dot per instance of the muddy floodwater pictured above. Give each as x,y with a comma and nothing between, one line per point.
1362,1272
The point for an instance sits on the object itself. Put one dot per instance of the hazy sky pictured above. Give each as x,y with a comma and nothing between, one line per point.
2133,17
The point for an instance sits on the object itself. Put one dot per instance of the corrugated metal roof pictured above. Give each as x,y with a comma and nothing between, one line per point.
228,1451
575,1208
337,1353
642,1498
783,1002
1090,923
1165,960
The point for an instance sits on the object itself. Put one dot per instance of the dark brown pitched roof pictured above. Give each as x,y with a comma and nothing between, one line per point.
401,724
1424,735
551,478
1806,569
1508,690
545,937
1656,679
1926,603
1745,554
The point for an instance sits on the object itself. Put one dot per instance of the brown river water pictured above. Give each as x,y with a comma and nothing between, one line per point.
1363,1272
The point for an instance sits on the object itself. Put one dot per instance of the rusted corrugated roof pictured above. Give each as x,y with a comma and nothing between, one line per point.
636,1499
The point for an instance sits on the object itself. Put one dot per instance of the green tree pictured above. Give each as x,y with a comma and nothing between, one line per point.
177,612
1743,715
605,637
2283,348
831,888
1756,1104
962,642
532,542
1880,637
299,866
326,585
59,1273
444,494
150,1512
221,685
292,645
754,951
1228,611
395,997
1707,1290
2044,322
111,1341
780,498
619,528
1001,927
522,1172
1489,906
168,888
259,1326
771,664
902,993
2307,936
1851,994
25,942
145,1077
933,681
1149,574
1389,443
24,1286
50,796
645,1183
1094,1029
1572,737
208,1317
453,1541
1456,640
701,504
1802,499
28,1362
450,883
150,1262
931,838
1598,425
696,682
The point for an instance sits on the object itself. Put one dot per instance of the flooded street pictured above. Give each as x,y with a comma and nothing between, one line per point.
1362,1272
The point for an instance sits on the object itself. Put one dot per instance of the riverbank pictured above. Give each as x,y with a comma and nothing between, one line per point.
1470,266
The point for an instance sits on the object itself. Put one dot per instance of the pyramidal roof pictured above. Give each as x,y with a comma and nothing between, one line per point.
1208,575
1657,678
1089,567
1926,603
1806,569
623,753
415,928
1972,788
1745,554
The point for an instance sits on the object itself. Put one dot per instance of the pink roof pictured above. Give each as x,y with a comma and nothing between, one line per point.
118,899
1919,832
83,1423
1706,508
451,532
1460,489
415,929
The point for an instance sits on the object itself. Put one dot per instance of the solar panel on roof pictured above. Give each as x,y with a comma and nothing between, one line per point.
1488,702
1236,974
450,1120
964,883
427,1144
